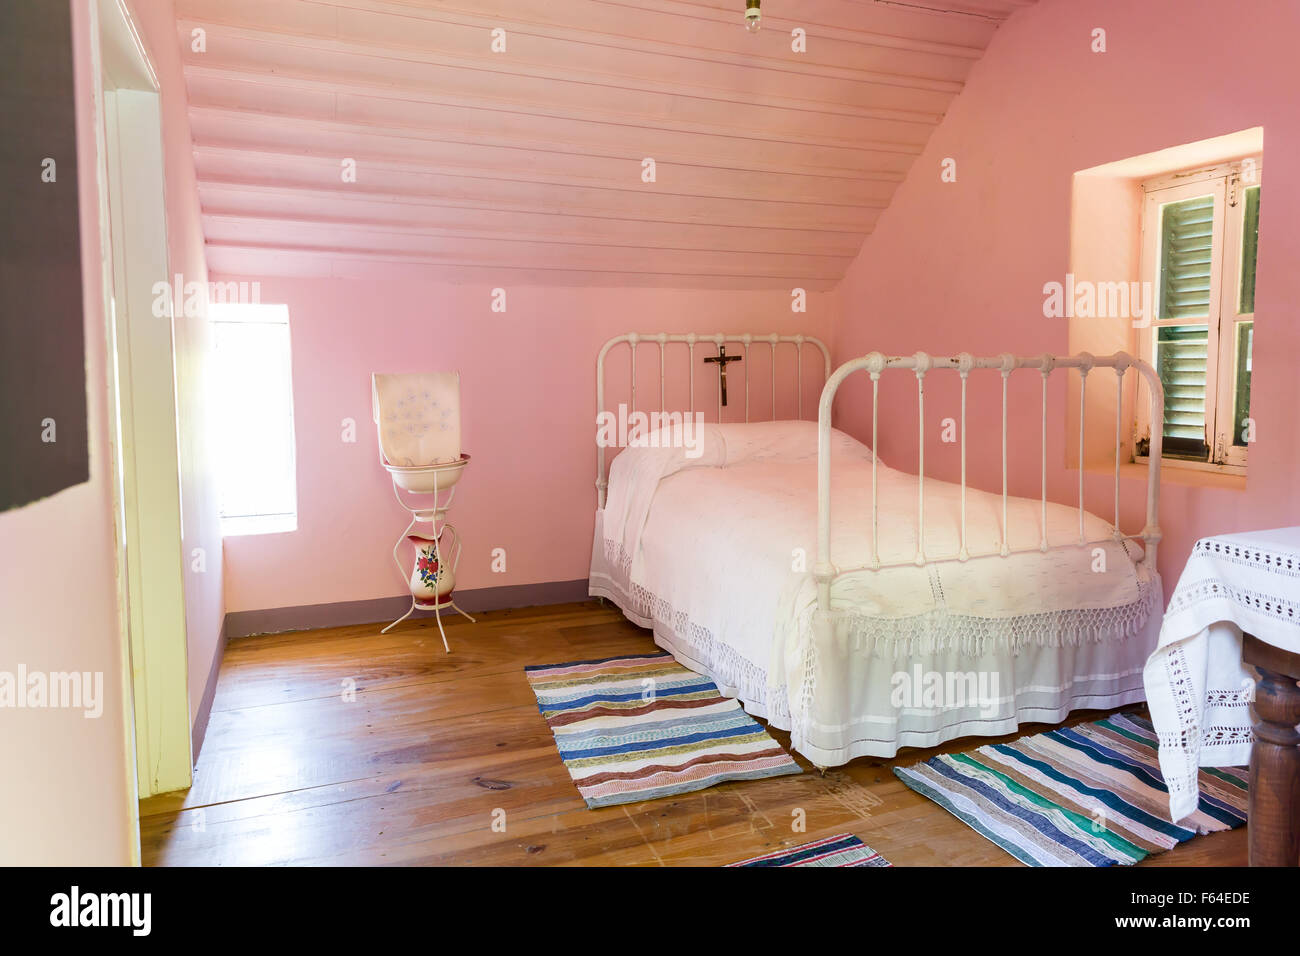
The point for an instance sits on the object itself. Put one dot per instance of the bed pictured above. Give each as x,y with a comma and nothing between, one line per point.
925,611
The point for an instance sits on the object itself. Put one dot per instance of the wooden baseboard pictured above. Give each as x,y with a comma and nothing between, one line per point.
344,613
200,728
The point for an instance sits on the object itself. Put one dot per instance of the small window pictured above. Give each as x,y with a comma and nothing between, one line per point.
1201,238
252,415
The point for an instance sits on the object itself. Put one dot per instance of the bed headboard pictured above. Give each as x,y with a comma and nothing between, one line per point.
713,343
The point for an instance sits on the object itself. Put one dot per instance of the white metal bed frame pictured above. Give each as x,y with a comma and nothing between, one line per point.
692,339
921,363
824,571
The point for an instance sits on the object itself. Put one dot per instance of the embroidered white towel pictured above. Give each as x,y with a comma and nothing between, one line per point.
418,417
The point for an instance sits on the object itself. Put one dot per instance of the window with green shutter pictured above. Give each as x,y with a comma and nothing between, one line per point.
1200,248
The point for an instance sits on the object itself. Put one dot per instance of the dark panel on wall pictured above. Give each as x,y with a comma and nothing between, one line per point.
42,349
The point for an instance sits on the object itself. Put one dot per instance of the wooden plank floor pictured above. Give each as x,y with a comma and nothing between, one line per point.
345,746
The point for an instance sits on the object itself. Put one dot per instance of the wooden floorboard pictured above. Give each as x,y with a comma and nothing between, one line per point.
347,746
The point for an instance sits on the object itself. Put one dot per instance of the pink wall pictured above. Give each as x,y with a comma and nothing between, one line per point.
951,266
961,266
529,405
73,785
202,528
68,789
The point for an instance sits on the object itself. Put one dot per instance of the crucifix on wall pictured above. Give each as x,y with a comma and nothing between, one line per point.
722,358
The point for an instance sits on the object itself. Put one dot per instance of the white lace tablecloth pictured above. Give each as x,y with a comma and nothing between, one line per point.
1197,687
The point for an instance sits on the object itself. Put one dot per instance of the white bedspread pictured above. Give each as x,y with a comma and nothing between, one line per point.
722,546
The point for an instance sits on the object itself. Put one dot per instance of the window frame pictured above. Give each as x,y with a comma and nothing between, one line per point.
1224,182
1226,450
269,522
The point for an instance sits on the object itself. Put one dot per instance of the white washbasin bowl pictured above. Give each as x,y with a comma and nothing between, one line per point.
419,479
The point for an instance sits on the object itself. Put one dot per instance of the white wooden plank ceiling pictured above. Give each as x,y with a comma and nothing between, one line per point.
771,165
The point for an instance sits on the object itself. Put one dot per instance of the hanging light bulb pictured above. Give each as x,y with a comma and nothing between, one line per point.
753,16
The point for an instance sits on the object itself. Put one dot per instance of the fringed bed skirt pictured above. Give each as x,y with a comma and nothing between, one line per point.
854,686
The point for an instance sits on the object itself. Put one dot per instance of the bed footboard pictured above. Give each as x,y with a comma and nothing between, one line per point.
875,364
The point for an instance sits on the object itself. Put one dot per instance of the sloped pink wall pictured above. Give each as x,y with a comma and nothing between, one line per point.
529,406
961,266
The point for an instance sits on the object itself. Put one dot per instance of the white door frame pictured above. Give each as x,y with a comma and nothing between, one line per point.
141,361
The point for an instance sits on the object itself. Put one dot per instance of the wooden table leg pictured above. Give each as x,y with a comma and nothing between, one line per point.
1274,821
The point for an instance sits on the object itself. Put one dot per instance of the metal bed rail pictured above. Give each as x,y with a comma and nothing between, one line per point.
921,364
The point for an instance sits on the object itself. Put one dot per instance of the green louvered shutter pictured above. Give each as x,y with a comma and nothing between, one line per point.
1249,251
1182,351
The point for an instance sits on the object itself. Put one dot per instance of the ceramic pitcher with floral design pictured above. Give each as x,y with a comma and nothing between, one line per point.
432,579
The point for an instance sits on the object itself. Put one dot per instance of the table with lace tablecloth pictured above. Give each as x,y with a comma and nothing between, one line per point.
1235,612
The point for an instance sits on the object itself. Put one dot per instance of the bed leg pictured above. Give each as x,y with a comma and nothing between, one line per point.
820,769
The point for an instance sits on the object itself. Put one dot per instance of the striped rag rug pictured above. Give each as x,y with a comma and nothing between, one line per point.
1088,795
842,850
642,726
